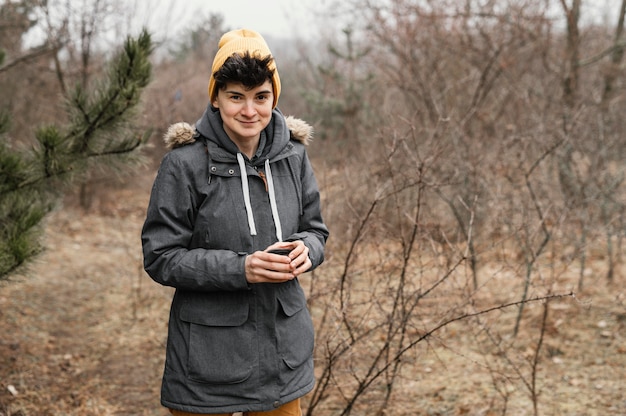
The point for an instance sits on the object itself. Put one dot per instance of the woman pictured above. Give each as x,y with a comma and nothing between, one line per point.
231,190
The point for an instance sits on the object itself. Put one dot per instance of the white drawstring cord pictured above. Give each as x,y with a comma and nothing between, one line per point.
246,193
270,188
271,191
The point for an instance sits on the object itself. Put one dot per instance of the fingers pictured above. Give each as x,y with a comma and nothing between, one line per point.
279,263
263,267
303,267
300,259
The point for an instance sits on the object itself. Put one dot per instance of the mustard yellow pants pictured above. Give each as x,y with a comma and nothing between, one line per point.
288,409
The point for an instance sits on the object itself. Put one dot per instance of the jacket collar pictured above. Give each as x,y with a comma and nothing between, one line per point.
182,133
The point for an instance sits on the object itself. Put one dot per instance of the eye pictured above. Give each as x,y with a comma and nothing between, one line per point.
263,97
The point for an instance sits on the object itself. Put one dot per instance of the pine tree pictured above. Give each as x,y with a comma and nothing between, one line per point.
98,133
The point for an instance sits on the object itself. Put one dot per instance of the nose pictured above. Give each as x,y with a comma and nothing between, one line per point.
248,108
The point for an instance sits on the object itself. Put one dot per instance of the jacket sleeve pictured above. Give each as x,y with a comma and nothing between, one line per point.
312,230
167,233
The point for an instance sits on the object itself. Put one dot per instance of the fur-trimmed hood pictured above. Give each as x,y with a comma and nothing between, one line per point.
182,133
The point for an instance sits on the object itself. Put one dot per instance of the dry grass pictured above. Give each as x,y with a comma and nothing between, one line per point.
84,332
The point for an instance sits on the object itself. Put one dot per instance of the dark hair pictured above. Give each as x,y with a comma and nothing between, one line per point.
244,69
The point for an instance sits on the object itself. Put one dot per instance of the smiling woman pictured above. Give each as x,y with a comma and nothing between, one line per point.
244,100
245,113
240,335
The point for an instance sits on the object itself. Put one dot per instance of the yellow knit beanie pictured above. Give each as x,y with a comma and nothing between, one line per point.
241,41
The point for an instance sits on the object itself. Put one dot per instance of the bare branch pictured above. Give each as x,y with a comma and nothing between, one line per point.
31,56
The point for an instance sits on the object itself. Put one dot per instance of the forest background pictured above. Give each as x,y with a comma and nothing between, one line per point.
470,156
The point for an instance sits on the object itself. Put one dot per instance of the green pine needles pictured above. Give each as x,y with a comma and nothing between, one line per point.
99,134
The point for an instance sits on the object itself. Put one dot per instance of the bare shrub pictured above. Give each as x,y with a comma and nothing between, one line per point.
488,165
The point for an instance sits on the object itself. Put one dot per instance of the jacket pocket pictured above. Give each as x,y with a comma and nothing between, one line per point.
294,327
220,342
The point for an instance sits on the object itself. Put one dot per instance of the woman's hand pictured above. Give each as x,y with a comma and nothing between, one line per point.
266,267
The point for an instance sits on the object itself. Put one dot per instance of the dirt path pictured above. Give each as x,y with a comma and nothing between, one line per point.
84,332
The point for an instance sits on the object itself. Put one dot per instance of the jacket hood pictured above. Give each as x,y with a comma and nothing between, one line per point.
274,138
183,133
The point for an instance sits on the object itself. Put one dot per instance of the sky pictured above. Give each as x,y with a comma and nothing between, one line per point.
166,20
275,18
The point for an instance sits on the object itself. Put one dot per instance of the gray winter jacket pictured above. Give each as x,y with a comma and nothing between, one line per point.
233,346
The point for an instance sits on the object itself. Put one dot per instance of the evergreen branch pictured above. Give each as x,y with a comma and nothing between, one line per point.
29,181
120,94
119,151
60,173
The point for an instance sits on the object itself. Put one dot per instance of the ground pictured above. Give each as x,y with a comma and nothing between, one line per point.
83,333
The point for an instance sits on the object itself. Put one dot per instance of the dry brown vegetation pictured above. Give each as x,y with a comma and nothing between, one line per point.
84,331
470,159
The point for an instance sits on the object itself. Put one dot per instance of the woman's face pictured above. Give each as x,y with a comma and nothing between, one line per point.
245,113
